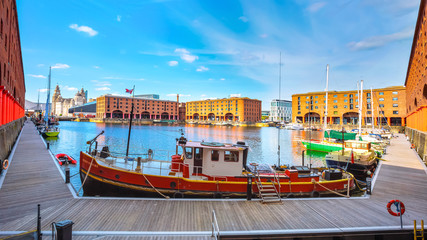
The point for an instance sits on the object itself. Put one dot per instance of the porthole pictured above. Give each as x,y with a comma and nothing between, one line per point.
117,176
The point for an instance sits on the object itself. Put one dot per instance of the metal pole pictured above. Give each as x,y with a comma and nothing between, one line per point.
278,129
302,156
39,232
130,123
326,90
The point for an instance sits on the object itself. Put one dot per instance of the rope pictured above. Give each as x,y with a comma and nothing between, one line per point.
167,197
339,194
87,173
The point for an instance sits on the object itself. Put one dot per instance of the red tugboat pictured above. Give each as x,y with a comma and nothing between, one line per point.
202,169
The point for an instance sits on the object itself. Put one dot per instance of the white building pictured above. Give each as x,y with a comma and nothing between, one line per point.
61,105
281,111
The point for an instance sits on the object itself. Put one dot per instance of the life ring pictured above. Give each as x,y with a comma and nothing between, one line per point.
178,195
412,146
396,203
5,164
290,195
315,194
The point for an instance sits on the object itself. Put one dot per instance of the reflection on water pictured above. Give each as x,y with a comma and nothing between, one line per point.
263,142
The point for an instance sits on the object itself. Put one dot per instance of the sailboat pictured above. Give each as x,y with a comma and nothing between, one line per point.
49,131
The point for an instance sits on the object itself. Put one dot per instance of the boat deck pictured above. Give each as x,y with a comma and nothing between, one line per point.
34,178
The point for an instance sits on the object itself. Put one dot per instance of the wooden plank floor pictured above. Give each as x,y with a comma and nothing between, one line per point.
402,177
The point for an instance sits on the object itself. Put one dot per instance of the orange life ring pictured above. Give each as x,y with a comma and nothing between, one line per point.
5,164
412,146
396,202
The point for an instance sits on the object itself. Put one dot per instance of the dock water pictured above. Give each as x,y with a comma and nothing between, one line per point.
33,178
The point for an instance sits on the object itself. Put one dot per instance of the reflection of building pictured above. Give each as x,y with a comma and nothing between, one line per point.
181,113
85,110
111,106
281,110
233,109
12,82
61,105
416,78
389,106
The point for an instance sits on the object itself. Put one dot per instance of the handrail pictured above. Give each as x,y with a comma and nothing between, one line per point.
215,227
276,177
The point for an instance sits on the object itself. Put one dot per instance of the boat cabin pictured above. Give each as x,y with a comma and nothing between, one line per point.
354,144
213,159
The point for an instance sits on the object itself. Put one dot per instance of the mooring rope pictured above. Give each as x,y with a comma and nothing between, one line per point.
339,194
87,173
167,197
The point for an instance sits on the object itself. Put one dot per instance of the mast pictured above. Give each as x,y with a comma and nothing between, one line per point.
38,100
46,115
326,90
130,122
360,106
278,111
372,107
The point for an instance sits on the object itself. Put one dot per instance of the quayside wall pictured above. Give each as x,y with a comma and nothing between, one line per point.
8,134
419,140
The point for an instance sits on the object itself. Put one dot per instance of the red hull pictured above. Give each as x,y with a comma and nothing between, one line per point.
63,158
231,187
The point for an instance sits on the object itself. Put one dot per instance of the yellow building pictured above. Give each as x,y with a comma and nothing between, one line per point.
389,107
241,109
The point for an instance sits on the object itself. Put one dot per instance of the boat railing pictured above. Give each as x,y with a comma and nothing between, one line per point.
215,227
277,180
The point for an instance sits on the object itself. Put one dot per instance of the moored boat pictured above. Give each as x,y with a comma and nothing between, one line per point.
63,158
200,169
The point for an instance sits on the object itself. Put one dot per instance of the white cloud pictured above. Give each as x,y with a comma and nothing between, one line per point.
40,65
185,55
222,79
202,69
264,35
119,18
102,89
211,79
243,19
60,65
43,90
203,95
67,88
173,63
379,41
96,67
316,7
36,76
100,83
84,29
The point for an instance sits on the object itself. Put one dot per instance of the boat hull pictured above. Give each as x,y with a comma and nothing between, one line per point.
107,181
321,147
50,134
359,171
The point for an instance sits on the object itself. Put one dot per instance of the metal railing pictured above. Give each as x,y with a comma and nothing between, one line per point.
215,227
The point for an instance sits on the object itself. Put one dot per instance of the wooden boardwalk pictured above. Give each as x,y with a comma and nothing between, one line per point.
33,178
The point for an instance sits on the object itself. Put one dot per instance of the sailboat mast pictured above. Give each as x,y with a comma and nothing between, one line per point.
360,107
46,115
372,107
278,110
326,90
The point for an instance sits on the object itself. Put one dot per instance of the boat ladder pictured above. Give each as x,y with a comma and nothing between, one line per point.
418,233
267,190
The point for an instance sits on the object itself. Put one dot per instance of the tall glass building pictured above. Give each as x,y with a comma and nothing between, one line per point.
281,111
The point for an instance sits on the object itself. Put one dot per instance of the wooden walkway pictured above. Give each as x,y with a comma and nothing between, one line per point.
33,178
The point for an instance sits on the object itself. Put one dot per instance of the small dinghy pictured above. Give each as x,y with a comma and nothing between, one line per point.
63,158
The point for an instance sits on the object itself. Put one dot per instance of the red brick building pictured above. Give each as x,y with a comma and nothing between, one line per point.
111,106
12,82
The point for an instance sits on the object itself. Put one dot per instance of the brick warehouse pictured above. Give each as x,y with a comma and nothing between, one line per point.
12,83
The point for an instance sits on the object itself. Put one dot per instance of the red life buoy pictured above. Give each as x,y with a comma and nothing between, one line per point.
396,203
412,146
5,164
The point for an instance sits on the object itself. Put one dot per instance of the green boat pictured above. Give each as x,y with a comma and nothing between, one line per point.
50,134
319,146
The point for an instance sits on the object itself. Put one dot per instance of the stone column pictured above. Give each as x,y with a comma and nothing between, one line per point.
403,121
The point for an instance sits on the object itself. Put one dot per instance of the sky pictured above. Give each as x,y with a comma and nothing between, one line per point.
214,48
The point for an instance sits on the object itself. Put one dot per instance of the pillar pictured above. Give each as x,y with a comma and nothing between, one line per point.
123,115
388,121
403,121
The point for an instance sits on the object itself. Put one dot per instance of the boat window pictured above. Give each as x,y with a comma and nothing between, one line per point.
215,155
364,146
231,156
188,152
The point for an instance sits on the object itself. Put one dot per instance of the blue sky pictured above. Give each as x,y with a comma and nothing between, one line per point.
211,49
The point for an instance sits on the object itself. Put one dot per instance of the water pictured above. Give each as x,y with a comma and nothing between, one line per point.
263,141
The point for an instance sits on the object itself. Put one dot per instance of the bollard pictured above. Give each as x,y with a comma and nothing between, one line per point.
249,188
47,145
302,156
368,185
67,175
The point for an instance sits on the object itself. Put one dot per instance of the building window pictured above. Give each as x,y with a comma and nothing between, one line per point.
306,107
369,112
335,106
395,105
368,106
381,105
335,96
381,93
299,112
368,94
315,96
381,99
395,112
335,112
395,99
345,106
345,95
315,101
394,93
382,112
351,106
351,95
316,107
345,100
335,101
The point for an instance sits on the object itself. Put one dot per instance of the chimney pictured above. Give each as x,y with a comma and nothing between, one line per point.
177,98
